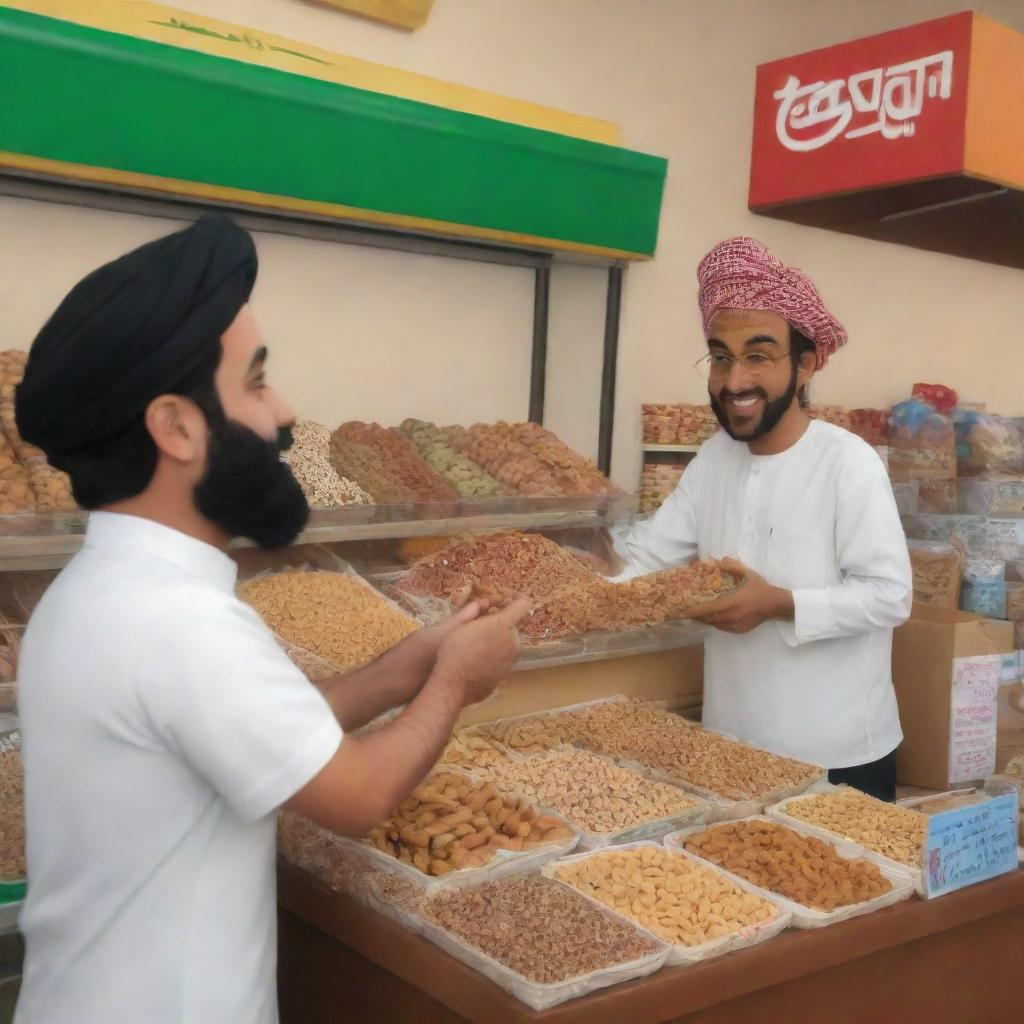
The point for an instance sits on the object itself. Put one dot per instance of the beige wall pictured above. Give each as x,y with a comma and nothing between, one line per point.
376,335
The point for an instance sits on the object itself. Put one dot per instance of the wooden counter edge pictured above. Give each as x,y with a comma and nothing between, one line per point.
679,990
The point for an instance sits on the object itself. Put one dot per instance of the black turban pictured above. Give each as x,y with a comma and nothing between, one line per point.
145,325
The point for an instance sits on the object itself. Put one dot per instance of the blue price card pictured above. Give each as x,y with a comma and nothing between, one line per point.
970,845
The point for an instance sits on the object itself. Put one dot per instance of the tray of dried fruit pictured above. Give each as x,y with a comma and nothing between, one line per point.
561,947
455,830
736,779
820,881
607,803
888,834
698,909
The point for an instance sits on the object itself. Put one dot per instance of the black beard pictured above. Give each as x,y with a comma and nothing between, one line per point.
774,410
247,490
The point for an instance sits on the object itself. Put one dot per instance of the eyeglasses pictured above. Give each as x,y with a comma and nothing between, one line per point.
717,366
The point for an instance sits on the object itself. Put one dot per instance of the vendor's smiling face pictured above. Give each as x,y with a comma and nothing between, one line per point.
752,376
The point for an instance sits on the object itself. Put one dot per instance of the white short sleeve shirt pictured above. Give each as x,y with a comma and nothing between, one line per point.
162,727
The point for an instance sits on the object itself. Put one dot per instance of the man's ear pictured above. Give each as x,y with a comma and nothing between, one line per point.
808,367
177,427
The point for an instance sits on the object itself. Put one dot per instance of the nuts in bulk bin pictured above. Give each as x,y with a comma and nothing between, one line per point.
682,901
687,753
361,464
452,822
309,459
540,931
886,829
399,459
339,618
804,869
593,794
434,446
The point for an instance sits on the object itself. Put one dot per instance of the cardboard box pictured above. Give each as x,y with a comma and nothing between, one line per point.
946,668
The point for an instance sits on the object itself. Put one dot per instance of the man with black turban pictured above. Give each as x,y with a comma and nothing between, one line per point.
163,725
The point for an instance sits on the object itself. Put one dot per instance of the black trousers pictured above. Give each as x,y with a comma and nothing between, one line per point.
877,779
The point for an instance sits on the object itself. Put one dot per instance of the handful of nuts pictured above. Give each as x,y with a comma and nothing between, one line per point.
678,899
802,868
451,823
893,831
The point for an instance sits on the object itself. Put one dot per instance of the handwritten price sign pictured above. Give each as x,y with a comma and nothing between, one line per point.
972,724
971,845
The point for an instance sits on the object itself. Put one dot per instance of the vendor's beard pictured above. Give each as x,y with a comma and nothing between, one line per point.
774,410
247,490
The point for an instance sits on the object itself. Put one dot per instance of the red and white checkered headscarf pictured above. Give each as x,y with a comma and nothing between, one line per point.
740,273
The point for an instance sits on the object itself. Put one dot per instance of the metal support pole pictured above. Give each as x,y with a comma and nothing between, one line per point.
539,359
613,309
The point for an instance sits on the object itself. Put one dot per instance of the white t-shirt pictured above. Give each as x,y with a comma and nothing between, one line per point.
820,520
162,726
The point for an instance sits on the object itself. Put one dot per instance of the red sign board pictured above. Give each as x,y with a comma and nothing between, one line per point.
878,111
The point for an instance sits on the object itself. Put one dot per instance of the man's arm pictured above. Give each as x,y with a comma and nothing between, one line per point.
393,679
369,775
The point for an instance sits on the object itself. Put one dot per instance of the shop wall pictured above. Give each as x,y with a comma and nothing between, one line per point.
358,333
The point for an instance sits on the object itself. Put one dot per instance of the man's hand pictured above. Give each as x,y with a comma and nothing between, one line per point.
754,602
480,654
421,647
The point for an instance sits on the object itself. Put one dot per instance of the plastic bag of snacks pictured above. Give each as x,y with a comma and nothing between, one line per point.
938,396
922,443
937,496
992,495
908,497
938,572
1006,542
971,534
988,444
870,424
984,591
660,422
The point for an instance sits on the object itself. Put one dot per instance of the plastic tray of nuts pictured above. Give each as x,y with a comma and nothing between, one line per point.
501,863
778,812
803,916
609,804
743,898
551,926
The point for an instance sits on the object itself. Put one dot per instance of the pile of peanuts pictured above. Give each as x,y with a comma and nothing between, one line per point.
309,459
399,459
681,901
688,753
593,794
337,617
451,822
472,751
468,479
12,816
893,831
529,460
599,605
802,868
525,563
538,928
527,735
361,464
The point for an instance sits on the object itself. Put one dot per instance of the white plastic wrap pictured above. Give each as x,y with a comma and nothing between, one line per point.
740,939
808,917
537,995
778,813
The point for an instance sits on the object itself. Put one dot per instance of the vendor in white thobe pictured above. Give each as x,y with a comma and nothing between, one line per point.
799,657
